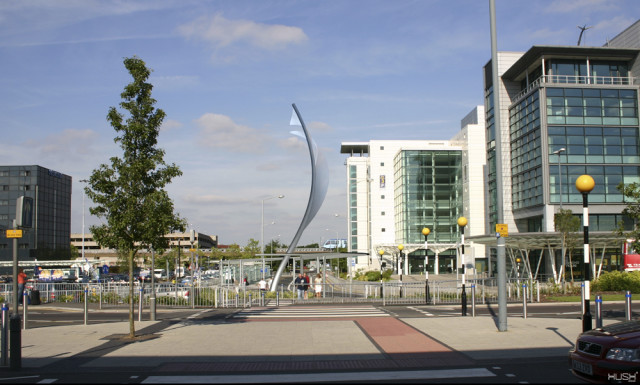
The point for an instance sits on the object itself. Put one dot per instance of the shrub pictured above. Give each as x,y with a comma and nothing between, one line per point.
618,281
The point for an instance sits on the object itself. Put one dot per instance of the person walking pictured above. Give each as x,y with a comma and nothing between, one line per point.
262,285
22,280
307,283
318,285
299,283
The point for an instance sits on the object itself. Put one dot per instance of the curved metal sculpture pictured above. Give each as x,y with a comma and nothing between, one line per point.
319,185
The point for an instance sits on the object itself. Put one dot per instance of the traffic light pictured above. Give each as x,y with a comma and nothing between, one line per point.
24,212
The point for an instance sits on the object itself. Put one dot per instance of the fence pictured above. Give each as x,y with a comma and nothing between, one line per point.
210,294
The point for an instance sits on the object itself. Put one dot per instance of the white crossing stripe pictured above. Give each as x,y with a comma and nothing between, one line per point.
420,311
311,312
323,377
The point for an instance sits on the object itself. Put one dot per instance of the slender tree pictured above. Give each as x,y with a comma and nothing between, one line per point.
567,225
129,192
631,194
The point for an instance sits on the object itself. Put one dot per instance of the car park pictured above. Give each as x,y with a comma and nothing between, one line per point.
608,354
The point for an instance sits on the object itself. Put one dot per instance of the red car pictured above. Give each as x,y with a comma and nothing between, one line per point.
608,354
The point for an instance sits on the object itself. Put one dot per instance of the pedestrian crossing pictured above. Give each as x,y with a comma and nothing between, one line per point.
310,312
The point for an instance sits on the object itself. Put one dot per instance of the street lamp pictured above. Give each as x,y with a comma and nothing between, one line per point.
557,152
426,232
585,184
381,253
262,230
400,260
83,195
462,222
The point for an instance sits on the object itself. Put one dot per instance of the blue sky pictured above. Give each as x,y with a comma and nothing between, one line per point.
226,73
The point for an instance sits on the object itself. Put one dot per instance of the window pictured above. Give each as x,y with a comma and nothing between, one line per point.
382,147
382,164
382,213
383,230
381,196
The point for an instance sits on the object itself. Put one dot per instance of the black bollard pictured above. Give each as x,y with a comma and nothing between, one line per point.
15,342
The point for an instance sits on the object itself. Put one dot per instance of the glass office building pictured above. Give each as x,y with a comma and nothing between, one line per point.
51,193
571,111
428,193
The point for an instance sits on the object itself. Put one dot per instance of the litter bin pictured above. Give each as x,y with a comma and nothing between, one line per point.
34,297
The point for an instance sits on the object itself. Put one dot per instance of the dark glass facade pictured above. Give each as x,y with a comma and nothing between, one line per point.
49,238
428,193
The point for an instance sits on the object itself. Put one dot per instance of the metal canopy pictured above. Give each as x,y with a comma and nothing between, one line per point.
536,241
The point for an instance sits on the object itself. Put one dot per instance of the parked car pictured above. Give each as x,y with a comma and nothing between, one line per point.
169,290
608,354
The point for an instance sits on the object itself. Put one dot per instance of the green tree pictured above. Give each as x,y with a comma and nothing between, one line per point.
631,194
129,193
251,249
567,225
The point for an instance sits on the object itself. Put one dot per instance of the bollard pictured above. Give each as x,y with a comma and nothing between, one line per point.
215,298
86,305
249,300
473,300
426,290
25,305
4,358
524,300
538,290
15,341
262,299
237,299
598,311
277,299
99,296
140,305
627,305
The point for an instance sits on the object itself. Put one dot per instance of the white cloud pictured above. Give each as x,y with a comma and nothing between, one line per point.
221,32
67,143
320,127
170,124
220,131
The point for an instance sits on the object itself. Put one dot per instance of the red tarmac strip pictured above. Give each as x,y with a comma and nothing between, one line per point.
396,338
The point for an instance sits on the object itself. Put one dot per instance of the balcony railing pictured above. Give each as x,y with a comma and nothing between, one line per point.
575,79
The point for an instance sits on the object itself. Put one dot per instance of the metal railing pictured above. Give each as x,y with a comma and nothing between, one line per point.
575,79
168,295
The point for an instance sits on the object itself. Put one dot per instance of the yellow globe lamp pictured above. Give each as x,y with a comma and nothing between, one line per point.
400,247
462,221
426,231
585,183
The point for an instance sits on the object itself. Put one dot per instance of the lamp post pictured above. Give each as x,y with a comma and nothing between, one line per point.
426,232
585,184
558,152
262,230
381,253
83,195
400,261
462,222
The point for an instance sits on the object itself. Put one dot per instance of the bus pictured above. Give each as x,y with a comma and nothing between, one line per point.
630,257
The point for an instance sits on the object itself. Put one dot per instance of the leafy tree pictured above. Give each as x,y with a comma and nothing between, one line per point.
567,225
129,193
631,194
251,249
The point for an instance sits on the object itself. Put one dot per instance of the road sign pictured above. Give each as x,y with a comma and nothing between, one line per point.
14,233
502,229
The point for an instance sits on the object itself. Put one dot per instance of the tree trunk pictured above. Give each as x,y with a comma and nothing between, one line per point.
132,327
